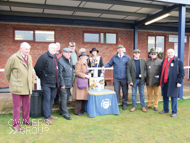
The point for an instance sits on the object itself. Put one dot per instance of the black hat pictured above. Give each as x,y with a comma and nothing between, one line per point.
94,49
83,54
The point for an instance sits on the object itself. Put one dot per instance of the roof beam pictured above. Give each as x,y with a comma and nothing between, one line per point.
169,9
2,12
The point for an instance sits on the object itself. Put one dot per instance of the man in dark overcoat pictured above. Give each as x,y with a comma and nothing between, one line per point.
171,77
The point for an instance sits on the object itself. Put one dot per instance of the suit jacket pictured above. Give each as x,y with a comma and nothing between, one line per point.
19,74
131,71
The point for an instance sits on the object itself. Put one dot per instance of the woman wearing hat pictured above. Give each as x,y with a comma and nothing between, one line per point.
80,95
95,61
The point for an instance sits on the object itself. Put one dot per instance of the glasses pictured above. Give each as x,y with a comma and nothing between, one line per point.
153,53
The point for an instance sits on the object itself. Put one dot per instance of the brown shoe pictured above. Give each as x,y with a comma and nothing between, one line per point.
48,121
155,108
53,117
173,115
69,102
162,112
147,107
30,124
18,128
133,109
143,109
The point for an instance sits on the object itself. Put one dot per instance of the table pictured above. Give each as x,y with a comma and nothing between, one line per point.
102,103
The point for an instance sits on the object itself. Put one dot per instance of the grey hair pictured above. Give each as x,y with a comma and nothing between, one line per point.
24,44
82,50
57,43
171,50
52,45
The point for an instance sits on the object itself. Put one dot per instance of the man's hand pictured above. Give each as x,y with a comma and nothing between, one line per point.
131,84
63,87
178,85
103,69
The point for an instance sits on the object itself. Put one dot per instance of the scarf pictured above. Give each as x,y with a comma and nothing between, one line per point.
165,70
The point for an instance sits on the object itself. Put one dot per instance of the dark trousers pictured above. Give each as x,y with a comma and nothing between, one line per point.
48,97
17,100
64,94
123,83
174,101
79,106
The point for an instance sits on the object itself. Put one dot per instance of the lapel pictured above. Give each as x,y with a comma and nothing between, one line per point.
22,60
133,64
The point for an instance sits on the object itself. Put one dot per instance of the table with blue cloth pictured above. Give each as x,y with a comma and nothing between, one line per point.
102,103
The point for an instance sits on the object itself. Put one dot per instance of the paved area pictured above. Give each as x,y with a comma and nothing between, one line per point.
6,103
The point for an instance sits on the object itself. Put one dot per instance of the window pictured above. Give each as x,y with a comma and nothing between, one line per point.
106,38
157,42
34,35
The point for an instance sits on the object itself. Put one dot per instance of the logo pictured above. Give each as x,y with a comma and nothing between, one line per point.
40,127
105,103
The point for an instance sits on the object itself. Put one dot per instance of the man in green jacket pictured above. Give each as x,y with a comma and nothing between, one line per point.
153,66
18,71
136,73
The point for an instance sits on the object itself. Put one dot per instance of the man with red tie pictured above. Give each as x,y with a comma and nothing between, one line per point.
47,70
18,71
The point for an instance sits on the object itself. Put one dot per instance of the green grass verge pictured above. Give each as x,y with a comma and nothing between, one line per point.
127,127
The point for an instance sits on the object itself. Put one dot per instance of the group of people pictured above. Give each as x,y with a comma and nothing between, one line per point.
63,70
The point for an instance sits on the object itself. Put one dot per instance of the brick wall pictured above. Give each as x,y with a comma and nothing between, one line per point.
65,34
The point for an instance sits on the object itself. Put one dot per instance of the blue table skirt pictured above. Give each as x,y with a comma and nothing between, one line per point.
102,104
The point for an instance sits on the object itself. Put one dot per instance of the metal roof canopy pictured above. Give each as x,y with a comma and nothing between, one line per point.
105,13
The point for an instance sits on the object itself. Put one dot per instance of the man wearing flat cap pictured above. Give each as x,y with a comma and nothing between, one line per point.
119,61
152,79
66,72
72,46
136,73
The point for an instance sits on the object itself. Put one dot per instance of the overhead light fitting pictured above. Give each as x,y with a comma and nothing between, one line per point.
157,19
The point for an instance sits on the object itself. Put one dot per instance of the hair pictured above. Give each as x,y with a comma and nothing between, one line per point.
57,43
171,50
24,44
52,45
82,50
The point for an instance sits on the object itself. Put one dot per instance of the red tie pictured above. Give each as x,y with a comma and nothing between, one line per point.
56,71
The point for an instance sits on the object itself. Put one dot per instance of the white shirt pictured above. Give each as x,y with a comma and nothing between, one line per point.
120,55
25,57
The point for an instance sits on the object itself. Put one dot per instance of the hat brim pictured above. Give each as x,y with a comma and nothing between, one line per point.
95,50
83,55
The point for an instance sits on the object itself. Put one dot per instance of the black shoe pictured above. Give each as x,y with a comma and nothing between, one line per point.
124,107
67,117
79,114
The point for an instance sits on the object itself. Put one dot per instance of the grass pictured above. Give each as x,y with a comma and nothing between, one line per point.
127,127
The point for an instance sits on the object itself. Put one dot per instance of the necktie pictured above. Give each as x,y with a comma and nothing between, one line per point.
56,71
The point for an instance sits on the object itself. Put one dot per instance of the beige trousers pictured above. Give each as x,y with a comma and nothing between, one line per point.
152,96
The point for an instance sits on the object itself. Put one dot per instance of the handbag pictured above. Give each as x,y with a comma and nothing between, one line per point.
82,82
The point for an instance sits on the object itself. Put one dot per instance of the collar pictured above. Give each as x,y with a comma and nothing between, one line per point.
136,59
121,55
25,57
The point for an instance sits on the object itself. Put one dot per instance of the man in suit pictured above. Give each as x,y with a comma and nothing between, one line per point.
18,71
136,73
66,72
171,77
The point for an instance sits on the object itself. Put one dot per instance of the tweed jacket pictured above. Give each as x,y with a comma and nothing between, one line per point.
131,71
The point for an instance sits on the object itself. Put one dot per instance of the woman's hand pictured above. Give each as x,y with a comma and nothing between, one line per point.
87,76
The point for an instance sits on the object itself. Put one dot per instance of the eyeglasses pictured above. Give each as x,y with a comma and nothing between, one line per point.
153,53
